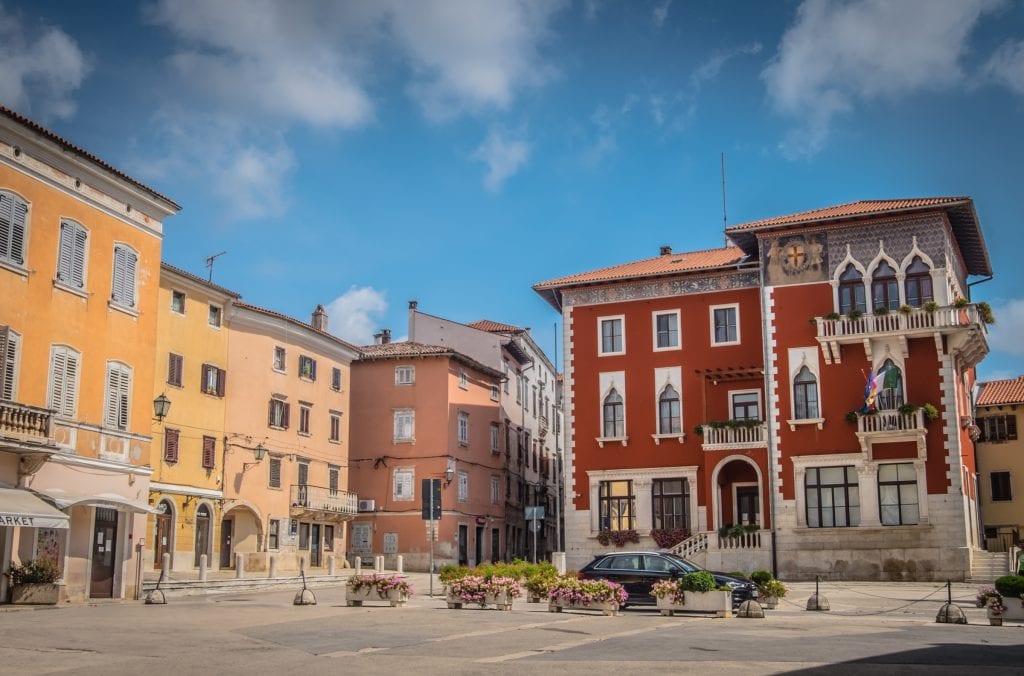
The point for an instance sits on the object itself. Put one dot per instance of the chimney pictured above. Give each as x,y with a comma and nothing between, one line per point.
666,250
383,337
411,329
320,319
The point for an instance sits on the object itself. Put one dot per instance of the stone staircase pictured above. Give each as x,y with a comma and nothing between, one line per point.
987,566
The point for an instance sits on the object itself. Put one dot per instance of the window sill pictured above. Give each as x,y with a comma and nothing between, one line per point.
130,311
277,427
404,440
464,444
805,421
15,268
725,344
680,436
601,441
667,348
277,370
336,442
305,434
80,292
308,379
611,354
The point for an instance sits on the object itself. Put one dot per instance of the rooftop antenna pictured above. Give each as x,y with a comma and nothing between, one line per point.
725,219
209,263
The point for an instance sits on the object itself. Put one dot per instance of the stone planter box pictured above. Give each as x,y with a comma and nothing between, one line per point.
768,602
718,603
37,593
501,600
1014,612
606,607
356,598
534,598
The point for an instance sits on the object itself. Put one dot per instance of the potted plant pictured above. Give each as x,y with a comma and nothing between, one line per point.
832,316
985,592
908,409
854,314
539,584
931,306
985,313
769,590
930,411
666,538
960,302
602,595
851,417
693,593
35,582
392,588
618,537
478,590
881,310
1007,603
906,309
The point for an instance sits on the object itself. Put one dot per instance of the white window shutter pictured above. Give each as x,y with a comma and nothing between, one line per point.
131,259
6,224
70,393
6,364
117,288
125,386
65,252
18,233
78,258
58,374
113,381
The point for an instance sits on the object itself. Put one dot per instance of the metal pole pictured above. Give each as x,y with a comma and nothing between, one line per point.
533,527
430,536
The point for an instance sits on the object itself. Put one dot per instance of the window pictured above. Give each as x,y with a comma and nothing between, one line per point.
671,500
1001,490
272,533
805,395
519,389
213,379
13,219
10,350
725,328
178,302
745,405
333,478
463,428
832,497
897,494
998,427
495,393
851,290
175,368
611,335
666,330
63,390
495,433
669,421
303,536
118,398
918,283
463,486
534,401
275,473
303,419
277,415
403,484
122,290
504,370
336,379
405,375
303,473
613,416
280,359
890,398
405,425
71,252
495,490
463,381
616,505
307,367
216,315
884,290
335,427
171,438
209,452
328,538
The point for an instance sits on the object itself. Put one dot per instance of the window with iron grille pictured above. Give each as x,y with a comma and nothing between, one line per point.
832,497
209,452
175,369
171,439
275,473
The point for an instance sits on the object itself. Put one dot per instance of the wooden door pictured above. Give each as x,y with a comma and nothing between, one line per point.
314,545
202,533
463,545
162,534
104,559
747,505
227,530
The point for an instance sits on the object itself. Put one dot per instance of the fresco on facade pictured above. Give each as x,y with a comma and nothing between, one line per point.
795,259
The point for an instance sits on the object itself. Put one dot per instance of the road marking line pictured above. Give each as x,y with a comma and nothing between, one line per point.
568,645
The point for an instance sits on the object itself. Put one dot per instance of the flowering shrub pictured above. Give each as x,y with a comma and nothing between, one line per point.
618,537
450,572
540,583
996,605
476,588
670,588
772,588
382,584
583,592
39,571
669,537
985,592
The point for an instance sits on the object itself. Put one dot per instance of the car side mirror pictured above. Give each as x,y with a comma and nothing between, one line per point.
674,572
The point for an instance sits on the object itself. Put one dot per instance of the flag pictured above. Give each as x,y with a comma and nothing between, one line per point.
887,377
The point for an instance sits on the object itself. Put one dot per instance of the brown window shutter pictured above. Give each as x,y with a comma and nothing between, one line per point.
1011,427
270,412
209,452
202,378
171,445
222,376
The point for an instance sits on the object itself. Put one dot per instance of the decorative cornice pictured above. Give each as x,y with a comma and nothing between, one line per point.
615,293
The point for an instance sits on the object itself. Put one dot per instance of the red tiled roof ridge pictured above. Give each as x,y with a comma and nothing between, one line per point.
637,268
847,210
1003,391
492,326
200,280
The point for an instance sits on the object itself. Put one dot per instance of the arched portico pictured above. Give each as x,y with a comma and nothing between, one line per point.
739,495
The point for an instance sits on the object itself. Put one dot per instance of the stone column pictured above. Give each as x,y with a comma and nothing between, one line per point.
867,478
642,504
922,491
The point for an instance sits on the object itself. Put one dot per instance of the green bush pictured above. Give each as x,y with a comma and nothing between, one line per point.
34,572
761,576
701,581
1011,586
450,571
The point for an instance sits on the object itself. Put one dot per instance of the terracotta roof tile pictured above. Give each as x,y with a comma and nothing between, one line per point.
403,349
996,392
850,210
296,322
494,327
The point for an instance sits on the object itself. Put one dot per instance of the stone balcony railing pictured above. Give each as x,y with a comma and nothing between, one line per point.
732,438
890,426
323,501
26,423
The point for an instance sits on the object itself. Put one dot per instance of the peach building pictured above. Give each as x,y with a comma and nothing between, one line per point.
286,451
79,272
427,412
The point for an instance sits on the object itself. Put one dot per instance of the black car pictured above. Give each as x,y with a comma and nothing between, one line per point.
638,571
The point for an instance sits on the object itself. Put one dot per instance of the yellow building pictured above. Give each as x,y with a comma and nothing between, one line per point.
79,268
1000,453
188,460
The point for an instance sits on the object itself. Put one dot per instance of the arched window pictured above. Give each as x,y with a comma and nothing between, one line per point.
919,283
805,395
890,398
851,290
668,411
884,290
614,422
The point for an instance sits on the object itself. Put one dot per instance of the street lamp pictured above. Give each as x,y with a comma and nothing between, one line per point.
449,472
258,452
161,406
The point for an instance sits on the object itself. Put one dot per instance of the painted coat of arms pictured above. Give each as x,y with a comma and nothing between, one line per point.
795,259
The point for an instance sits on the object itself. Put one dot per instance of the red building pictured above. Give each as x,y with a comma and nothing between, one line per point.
715,395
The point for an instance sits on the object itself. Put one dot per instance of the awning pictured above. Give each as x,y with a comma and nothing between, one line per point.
19,508
109,500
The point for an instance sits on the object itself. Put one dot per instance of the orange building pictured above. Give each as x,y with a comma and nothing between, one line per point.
427,412
79,273
713,396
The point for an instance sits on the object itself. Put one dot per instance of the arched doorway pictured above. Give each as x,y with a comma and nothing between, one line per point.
738,492
163,534
241,533
202,533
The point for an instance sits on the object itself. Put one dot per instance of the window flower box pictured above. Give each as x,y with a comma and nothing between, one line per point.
391,588
717,602
1008,608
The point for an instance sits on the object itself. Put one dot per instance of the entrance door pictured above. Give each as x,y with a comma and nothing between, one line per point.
479,545
227,530
202,533
747,505
314,545
104,542
495,544
463,545
162,535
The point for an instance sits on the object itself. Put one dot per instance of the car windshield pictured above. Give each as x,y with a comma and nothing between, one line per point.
682,563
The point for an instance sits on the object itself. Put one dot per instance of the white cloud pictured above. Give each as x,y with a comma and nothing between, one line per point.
355,314
1005,334
504,157
710,69
40,68
660,13
591,8
1006,66
838,55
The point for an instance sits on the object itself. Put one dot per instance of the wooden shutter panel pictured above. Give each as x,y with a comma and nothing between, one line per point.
287,411
131,259
314,368
1011,427
18,232
117,287
6,224
65,252
78,257
58,374
6,362
113,380
203,375
222,377
171,445
270,412
124,387
69,394
209,452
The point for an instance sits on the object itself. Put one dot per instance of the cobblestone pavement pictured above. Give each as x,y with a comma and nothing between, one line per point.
872,628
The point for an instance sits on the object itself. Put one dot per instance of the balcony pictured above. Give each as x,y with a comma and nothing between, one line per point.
734,438
542,426
317,502
966,332
891,426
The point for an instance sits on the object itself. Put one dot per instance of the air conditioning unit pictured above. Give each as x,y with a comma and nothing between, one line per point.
367,505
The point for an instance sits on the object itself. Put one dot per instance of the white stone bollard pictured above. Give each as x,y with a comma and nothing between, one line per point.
558,559
202,567
302,565
399,564
379,560
330,566
273,567
166,569
359,565
239,566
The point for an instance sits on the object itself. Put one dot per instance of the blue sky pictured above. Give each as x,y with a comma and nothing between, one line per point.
363,154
